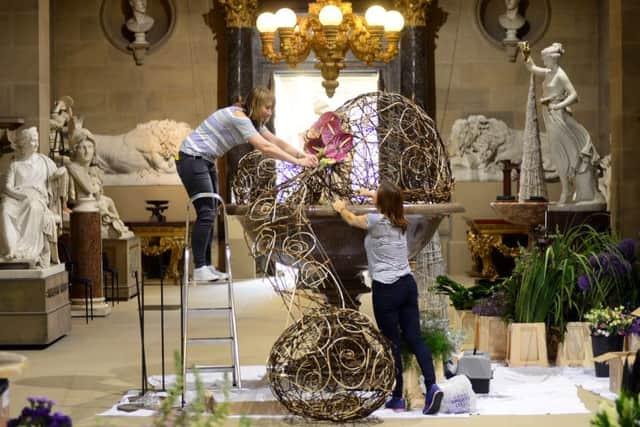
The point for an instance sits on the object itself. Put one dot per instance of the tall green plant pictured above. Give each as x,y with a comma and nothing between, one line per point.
544,286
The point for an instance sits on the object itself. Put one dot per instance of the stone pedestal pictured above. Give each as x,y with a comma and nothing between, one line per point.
34,306
125,256
86,252
563,219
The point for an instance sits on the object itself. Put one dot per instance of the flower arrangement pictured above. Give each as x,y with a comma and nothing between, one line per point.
609,320
38,414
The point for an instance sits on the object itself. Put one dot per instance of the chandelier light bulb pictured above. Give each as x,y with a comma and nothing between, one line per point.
267,23
330,15
286,18
394,21
375,16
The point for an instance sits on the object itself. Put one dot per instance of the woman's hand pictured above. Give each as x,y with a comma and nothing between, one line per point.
365,192
307,160
339,205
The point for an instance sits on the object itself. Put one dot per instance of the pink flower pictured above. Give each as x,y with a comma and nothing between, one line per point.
327,139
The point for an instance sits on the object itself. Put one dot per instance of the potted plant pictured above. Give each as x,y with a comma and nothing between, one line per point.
491,329
568,275
608,326
463,299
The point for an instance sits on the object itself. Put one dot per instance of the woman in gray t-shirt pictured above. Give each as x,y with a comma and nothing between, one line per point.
395,294
196,163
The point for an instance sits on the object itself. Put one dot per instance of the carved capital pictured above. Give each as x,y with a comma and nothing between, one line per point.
240,13
414,11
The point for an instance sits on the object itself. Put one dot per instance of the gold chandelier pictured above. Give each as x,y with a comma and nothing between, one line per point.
329,30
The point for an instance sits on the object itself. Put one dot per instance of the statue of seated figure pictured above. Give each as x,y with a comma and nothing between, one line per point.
86,185
30,206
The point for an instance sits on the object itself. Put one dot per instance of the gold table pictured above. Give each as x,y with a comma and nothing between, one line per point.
157,238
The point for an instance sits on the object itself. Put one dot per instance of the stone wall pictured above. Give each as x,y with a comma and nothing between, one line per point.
178,81
24,63
625,115
475,77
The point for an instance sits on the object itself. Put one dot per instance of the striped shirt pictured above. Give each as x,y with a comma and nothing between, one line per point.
219,133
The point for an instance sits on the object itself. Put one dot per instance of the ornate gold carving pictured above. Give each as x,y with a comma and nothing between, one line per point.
482,242
240,13
414,11
158,239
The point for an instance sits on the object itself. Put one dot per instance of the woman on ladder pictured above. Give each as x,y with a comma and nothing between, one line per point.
196,164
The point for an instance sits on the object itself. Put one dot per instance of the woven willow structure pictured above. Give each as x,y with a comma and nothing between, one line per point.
331,365
334,365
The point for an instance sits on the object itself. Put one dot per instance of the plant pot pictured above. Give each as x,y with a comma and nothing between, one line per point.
602,345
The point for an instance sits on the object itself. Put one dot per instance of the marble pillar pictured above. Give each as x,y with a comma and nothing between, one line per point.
86,253
413,64
239,83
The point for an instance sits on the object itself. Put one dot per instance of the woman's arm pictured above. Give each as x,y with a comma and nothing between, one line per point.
359,221
283,145
532,67
274,152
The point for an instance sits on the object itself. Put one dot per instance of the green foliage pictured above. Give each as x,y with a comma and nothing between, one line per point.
199,412
544,283
627,413
462,297
438,341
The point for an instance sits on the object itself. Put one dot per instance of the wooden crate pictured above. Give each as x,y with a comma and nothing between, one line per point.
491,336
526,345
576,350
464,320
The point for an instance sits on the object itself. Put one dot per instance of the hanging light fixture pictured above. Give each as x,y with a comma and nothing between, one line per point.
329,30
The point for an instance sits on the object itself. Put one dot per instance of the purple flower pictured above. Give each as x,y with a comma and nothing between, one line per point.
628,249
635,326
584,283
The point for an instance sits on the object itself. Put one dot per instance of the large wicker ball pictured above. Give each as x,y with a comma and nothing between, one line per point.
394,140
332,364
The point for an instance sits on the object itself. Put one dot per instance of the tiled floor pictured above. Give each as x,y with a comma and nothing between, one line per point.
87,371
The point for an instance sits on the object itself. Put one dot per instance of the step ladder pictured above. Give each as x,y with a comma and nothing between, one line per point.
229,307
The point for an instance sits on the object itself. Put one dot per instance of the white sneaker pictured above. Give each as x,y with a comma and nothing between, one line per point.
204,274
220,274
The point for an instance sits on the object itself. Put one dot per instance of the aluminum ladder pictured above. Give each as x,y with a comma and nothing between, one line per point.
229,307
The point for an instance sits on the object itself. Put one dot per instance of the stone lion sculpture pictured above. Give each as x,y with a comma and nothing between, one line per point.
478,145
149,148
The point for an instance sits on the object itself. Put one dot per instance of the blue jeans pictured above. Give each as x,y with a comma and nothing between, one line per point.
200,176
395,307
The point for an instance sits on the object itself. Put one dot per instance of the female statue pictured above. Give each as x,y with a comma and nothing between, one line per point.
87,184
572,151
28,224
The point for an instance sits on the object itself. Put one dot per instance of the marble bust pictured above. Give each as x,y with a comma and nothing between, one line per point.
30,205
86,186
511,20
140,23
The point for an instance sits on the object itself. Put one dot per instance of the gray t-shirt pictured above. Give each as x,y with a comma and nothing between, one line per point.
386,246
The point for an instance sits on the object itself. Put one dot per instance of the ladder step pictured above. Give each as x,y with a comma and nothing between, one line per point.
212,368
208,283
209,309
216,340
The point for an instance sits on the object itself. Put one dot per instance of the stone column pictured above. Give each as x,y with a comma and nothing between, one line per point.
26,82
624,116
412,50
86,252
240,17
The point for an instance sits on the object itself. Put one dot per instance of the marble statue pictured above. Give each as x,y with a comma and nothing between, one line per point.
573,152
30,207
511,20
147,150
140,22
86,185
59,119
479,144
